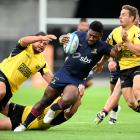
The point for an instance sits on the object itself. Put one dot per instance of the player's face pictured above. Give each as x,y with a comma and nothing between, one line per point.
39,46
93,36
83,26
125,18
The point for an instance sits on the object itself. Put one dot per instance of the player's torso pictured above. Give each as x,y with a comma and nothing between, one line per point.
81,62
21,66
127,59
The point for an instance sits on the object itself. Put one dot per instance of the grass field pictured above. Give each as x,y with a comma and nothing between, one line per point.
81,126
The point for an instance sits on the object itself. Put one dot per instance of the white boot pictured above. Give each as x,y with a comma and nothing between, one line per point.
20,128
49,116
113,116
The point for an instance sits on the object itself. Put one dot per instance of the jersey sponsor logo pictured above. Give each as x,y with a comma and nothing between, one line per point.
76,55
24,70
94,51
85,60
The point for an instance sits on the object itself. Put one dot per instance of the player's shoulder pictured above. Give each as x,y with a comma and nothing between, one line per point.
103,43
135,29
117,29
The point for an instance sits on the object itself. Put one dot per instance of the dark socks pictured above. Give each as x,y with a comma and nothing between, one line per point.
115,108
105,111
55,107
32,116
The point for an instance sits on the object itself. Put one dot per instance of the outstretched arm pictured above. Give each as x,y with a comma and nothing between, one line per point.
25,41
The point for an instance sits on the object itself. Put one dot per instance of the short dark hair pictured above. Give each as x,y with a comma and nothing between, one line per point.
40,33
96,26
83,20
133,11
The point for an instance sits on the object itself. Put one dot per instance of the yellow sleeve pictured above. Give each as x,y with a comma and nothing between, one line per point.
137,38
110,39
45,69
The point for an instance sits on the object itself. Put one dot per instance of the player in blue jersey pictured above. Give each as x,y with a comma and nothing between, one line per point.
73,73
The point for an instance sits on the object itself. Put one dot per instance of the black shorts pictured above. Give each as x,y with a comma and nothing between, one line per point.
114,76
15,114
8,94
128,75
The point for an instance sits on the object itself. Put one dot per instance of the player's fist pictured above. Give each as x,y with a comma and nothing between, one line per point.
112,66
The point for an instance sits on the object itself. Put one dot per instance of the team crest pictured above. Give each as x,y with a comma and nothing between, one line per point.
94,51
37,67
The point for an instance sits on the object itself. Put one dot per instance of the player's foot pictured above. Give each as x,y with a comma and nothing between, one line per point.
49,116
99,117
20,128
113,116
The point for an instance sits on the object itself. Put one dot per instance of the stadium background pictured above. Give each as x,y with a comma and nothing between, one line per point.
20,18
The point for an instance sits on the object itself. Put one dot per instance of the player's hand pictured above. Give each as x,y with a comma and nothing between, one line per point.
118,46
81,88
48,38
98,67
112,66
124,35
64,39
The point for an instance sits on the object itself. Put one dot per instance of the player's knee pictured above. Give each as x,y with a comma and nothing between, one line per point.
131,104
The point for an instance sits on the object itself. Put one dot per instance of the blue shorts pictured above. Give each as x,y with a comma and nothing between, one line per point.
63,78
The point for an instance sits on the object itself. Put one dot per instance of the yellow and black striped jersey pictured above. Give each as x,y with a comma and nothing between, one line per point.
127,58
21,64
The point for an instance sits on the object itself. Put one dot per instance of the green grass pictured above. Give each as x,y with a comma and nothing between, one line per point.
81,126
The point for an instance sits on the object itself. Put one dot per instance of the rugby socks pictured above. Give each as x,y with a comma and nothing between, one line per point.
115,109
105,111
32,116
57,106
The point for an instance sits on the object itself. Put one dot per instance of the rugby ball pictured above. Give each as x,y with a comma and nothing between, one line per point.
72,45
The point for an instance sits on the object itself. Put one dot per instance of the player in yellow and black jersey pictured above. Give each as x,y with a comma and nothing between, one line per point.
127,37
25,60
17,114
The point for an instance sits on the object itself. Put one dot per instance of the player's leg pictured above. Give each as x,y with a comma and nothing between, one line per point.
136,90
115,106
49,96
110,104
67,113
14,114
5,93
69,97
5,124
127,88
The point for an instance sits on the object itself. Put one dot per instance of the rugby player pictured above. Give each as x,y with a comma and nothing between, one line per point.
75,70
25,60
128,35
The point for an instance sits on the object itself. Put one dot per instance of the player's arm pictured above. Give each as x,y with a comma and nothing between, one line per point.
48,76
73,109
46,73
25,41
134,48
99,66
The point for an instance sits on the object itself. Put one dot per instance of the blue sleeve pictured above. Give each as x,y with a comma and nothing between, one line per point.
107,49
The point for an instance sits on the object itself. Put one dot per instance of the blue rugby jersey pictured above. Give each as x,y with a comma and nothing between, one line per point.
85,58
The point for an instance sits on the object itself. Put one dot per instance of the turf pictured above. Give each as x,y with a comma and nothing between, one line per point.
81,126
